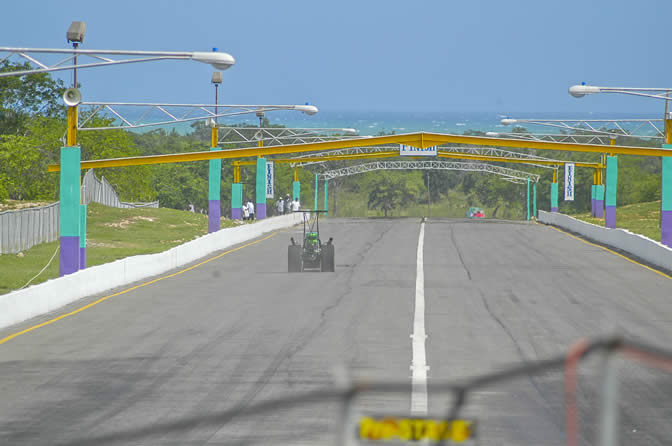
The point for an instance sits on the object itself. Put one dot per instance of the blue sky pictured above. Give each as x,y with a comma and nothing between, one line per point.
497,56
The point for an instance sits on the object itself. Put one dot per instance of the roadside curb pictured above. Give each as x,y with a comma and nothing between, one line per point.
20,305
637,246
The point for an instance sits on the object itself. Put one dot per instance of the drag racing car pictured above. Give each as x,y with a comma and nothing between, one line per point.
475,212
311,254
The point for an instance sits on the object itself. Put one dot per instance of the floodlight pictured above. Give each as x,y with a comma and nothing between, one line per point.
216,77
76,32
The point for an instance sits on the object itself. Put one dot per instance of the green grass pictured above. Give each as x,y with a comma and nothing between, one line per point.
640,218
112,234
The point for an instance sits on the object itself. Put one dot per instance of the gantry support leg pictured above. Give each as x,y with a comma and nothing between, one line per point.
261,188
612,186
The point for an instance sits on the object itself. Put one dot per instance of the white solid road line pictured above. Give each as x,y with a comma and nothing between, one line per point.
419,365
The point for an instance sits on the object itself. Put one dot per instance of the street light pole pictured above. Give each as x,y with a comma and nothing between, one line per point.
72,217
215,166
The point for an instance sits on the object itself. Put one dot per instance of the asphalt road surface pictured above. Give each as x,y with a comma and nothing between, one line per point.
182,361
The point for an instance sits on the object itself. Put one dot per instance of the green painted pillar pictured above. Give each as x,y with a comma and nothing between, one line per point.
82,236
214,193
237,201
260,211
326,194
534,201
69,210
296,190
316,191
666,200
528,199
554,197
612,186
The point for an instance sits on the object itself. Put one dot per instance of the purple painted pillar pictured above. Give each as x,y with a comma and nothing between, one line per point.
69,256
214,215
261,210
666,228
612,183
599,201
666,200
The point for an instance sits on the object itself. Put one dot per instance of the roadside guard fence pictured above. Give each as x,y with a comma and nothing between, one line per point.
25,228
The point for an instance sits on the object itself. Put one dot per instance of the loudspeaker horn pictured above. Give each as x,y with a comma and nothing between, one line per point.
72,97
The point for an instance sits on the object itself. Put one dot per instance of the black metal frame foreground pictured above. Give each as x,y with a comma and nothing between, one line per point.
655,356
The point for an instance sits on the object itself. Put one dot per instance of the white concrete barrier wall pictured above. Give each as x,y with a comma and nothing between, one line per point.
642,247
21,305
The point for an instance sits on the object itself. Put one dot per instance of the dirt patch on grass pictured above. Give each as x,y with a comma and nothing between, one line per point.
125,223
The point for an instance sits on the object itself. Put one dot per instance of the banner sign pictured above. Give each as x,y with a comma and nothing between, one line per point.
405,150
570,170
270,174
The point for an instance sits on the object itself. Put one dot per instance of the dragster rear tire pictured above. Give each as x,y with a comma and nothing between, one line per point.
327,264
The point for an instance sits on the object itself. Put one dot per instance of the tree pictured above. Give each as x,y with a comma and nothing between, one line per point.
390,190
22,98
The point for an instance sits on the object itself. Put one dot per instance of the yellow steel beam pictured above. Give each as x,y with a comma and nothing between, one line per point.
423,140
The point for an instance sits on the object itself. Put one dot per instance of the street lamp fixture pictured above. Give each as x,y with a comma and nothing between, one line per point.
579,91
307,109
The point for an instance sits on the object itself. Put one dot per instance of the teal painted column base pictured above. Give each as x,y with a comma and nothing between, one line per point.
82,237
612,187
592,200
554,197
528,200
69,210
214,193
316,191
666,200
237,201
534,200
261,188
296,190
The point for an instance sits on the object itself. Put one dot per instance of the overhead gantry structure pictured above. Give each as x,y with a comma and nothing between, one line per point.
421,140
507,174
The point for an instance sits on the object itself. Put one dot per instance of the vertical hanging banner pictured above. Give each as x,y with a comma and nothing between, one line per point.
570,171
270,174
405,150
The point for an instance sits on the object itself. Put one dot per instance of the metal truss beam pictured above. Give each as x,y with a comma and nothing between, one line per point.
274,136
430,165
134,115
634,128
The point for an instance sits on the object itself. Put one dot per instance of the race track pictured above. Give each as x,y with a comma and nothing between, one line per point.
152,365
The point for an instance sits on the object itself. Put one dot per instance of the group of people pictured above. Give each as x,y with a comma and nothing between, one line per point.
286,205
282,205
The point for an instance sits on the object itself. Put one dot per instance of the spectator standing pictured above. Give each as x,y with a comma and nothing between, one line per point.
296,206
250,208
246,212
280,206
288,204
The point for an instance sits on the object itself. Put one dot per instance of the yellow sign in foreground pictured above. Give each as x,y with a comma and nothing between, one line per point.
396,429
